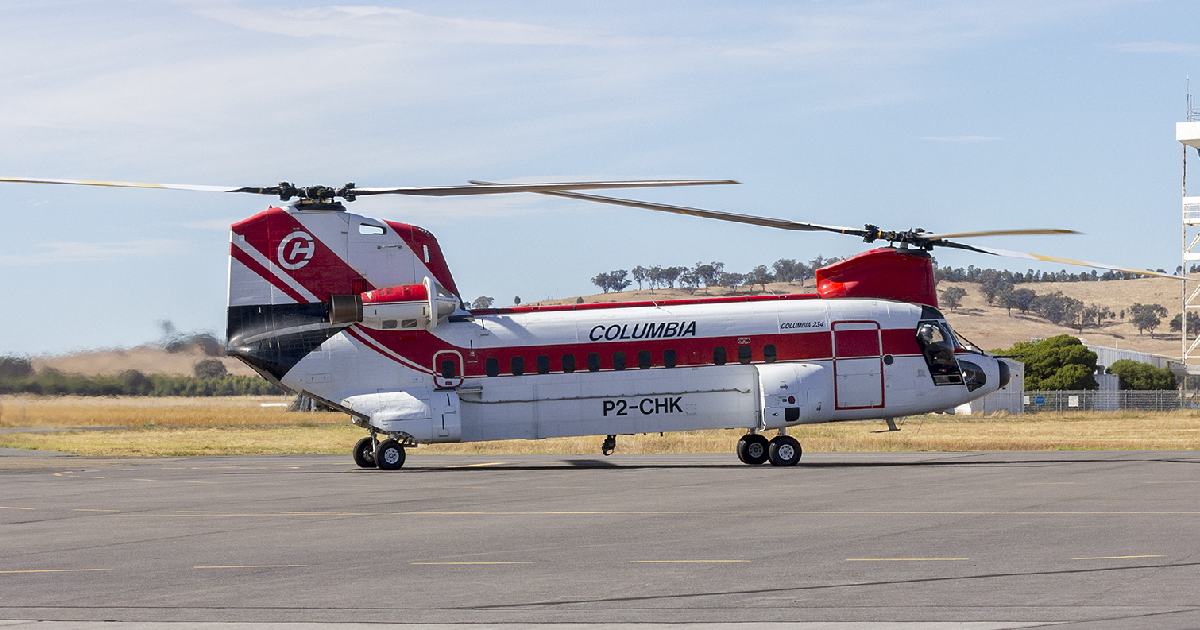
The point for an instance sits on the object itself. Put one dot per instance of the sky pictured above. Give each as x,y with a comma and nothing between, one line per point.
944,115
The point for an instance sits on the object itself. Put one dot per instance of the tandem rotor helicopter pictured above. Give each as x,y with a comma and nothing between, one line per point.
364,315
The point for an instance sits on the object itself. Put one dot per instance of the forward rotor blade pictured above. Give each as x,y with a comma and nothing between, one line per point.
109,184
782,224
1016,232
487,189
1056,259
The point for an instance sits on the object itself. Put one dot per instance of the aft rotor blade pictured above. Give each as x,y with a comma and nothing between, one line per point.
550,187
1016,232
112,184
782,224
1056,259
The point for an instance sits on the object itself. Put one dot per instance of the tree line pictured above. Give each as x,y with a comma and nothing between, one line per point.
1062,362
17,376
704,275
1064,310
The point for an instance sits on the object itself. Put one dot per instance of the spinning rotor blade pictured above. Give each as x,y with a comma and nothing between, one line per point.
107,184
1016,232
348,192
1055,259
485,189
782,224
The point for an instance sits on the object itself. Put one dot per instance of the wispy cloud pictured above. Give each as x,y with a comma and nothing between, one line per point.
961,139
1160,47
81,252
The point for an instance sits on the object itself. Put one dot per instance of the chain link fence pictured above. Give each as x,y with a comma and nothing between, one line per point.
1143,400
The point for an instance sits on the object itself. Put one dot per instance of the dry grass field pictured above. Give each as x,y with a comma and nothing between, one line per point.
241,426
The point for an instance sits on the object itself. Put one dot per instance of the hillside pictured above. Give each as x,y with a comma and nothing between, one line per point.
992,327
148,359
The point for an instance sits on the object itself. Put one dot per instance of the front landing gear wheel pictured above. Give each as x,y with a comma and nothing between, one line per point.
364,453
390,455
785,451
752,449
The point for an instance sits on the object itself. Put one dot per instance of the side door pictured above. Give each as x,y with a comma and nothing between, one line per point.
857,365
447,369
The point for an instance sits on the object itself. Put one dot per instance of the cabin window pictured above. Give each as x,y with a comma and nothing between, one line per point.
744,354
491,367
769,353
669,358
373,230
618,360
568,362
448,369
593,362
719,355
543,364
518,365
644,359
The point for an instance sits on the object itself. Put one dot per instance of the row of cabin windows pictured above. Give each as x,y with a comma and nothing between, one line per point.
645,359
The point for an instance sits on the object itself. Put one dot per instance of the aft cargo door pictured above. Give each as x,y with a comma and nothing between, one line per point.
857,365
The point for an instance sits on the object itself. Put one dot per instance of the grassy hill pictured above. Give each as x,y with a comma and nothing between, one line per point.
148,359
993,327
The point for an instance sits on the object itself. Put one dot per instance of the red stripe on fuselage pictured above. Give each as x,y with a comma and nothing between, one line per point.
419,347
324,274
263,272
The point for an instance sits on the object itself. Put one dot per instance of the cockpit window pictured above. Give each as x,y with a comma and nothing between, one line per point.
937,346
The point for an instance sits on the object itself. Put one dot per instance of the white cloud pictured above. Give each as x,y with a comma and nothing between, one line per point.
58,252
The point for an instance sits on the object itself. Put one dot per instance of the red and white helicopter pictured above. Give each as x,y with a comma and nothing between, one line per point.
364,315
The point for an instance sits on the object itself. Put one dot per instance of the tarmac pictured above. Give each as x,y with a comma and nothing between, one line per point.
896,540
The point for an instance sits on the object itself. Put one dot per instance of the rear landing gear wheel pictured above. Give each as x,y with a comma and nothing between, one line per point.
364,453
752,449
784,451
390,455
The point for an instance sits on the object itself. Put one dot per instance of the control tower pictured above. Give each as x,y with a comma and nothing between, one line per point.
1188,135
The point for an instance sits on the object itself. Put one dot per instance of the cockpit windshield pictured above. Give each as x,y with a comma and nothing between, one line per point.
938,344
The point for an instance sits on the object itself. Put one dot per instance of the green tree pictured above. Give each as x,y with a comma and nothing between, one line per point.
1060,362
1138,375
1147,316
953,297
209,368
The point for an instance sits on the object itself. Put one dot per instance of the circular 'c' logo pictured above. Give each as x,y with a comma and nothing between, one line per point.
295,250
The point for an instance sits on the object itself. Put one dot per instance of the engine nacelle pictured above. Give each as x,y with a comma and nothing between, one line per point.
404,307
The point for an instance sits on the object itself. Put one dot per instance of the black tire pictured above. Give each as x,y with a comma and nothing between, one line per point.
753,449
390,455
364,453
785,451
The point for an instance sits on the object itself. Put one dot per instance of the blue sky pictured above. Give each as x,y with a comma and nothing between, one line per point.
944,115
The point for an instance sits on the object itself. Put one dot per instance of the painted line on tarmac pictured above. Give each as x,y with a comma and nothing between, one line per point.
15,571
1134,557
195,514
479,465
12,507
94,510
911,559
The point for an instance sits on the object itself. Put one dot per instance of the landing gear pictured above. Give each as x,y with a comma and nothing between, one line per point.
752,449
390,455
784,450
610,445
364,452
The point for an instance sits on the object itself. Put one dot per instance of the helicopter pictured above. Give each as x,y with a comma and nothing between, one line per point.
364,315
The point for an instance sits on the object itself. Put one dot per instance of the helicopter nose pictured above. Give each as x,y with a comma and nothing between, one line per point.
1004,375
